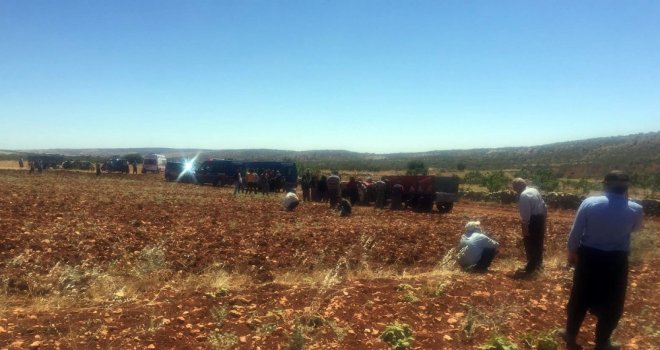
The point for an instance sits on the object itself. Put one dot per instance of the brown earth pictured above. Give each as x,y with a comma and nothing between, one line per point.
135,262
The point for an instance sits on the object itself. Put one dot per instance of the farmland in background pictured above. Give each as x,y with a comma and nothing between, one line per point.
121,261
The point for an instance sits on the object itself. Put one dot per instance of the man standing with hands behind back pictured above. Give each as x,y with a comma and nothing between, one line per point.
533,212
598,247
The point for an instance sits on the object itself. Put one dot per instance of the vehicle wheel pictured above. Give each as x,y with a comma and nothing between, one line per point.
444,207
217,183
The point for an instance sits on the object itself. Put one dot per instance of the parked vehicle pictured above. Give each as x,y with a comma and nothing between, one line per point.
179,172
77,165
154,163
116,164
217,171
287,170
52,161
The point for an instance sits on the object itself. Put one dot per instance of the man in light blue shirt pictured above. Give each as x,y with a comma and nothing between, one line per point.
598,246
476,250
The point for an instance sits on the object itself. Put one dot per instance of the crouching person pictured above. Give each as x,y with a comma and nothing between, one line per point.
344,207
290,201
476,250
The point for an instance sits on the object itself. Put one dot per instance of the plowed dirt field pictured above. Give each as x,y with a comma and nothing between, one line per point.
132,261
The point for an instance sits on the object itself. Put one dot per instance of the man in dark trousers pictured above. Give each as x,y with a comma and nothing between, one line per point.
598,247
533,213
397,196
333,182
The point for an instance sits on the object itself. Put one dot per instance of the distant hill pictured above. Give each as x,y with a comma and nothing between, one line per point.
634,153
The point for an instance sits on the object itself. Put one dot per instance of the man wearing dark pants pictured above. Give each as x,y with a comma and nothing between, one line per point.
333,182
533,213
476,250
598,247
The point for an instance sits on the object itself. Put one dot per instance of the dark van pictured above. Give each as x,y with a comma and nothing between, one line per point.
217,171
286,169
179,172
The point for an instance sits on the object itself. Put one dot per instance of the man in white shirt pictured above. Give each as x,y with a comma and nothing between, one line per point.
533,212
476,250
290,201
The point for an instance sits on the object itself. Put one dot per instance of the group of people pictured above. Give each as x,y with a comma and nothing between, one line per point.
331,193
598,247
258,181
321,189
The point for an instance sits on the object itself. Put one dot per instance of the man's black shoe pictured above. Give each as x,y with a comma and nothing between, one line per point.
612,345
570,345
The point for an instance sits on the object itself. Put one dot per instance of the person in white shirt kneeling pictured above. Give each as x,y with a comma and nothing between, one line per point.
476,250
290,201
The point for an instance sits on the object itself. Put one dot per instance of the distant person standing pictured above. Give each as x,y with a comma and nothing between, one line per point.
380,193
98,169
323,188
397,197
20,162
314,188
265,183
237,182
251,183
305,185
352,190
533,212
598,247
135,167
333,182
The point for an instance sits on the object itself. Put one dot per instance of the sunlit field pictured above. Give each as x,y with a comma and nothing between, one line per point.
131,261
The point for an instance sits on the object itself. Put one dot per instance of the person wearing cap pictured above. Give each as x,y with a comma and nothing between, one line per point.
598,247
533,212
290,201
476,250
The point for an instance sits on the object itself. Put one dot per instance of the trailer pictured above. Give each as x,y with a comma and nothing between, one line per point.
420,193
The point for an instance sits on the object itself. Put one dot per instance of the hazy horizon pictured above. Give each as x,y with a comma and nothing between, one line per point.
366,76
308,150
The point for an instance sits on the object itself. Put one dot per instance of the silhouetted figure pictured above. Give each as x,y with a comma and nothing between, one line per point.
344,207
397,197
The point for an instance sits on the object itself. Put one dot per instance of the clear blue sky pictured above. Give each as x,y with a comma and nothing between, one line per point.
368,76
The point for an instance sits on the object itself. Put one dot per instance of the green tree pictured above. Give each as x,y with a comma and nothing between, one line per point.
133,157
473,178
541,176
496,181
417,167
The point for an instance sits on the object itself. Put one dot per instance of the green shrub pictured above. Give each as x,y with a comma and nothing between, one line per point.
496,181
297,339
398,336
498,342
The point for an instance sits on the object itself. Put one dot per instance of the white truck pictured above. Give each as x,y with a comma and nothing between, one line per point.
154,163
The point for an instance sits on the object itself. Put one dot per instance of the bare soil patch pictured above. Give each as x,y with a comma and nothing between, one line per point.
131,261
